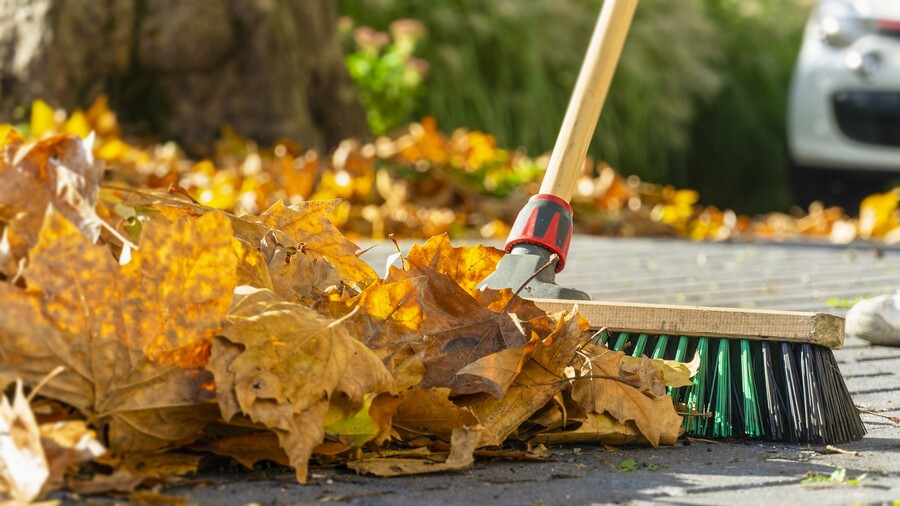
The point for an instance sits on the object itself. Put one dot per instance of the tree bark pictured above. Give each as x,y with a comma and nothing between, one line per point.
182,69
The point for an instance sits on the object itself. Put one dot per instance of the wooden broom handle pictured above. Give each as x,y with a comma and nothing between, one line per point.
587,99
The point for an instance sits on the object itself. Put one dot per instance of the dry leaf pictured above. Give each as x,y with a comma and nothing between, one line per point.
602,387
59,171
66,444
134,338
458,329
540,380
121,480
429,411
23,467
248,449
495,373
307,227
462,446
286,367
674,374
467,266
298,276
601,428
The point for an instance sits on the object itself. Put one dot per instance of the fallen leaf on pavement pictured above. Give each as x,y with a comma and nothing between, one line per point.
604,386
462,447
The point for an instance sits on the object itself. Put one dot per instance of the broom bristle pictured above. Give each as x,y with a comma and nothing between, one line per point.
787,392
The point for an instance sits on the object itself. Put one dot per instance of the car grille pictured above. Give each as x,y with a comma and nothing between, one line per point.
872,117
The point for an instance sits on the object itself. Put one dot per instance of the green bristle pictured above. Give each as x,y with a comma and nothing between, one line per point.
600,337
752,413
621,342
696,396
681,350
659,351
681,394
722,426
640,345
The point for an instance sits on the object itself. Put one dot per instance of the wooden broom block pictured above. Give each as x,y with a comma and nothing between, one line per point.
797,327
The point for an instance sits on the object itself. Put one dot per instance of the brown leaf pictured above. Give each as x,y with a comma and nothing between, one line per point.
248,449
59,171
496,372
603,387
284,366
430,411
458,329
133,339
121,480
163,465
301,277
602,428
387,315
674,373
462,447
540,380
307,226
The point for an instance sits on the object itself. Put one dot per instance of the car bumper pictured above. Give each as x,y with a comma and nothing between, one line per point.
845,105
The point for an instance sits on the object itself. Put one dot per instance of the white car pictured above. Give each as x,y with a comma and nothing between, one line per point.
843,127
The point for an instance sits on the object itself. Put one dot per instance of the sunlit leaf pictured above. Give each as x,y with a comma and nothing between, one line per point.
43,119
134,338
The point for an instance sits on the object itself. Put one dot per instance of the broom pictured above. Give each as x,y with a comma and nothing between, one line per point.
782,384
766,374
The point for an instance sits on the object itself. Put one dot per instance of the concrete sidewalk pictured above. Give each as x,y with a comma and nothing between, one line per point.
790,277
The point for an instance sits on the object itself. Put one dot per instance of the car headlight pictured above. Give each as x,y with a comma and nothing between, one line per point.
841,24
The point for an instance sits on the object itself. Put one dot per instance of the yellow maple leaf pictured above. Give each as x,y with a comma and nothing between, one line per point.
134,338
467,266
307,227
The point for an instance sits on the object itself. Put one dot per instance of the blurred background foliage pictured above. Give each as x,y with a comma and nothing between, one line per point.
698,99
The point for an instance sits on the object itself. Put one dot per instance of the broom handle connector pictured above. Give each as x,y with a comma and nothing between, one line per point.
588,97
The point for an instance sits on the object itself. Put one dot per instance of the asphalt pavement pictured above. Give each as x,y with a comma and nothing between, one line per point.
801,277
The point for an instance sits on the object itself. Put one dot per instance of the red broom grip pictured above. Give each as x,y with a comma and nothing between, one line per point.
546,220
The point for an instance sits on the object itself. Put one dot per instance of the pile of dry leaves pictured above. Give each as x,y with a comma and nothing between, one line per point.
152,333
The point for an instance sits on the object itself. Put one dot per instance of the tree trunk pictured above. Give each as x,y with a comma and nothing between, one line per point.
182,69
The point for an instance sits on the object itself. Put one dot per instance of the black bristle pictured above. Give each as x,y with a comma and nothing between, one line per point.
800,393
777,420
842,419
811,391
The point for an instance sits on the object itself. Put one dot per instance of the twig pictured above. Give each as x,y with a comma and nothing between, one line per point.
554,258
835,449
873,412
52,374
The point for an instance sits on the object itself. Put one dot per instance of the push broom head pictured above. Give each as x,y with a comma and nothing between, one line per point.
784,384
